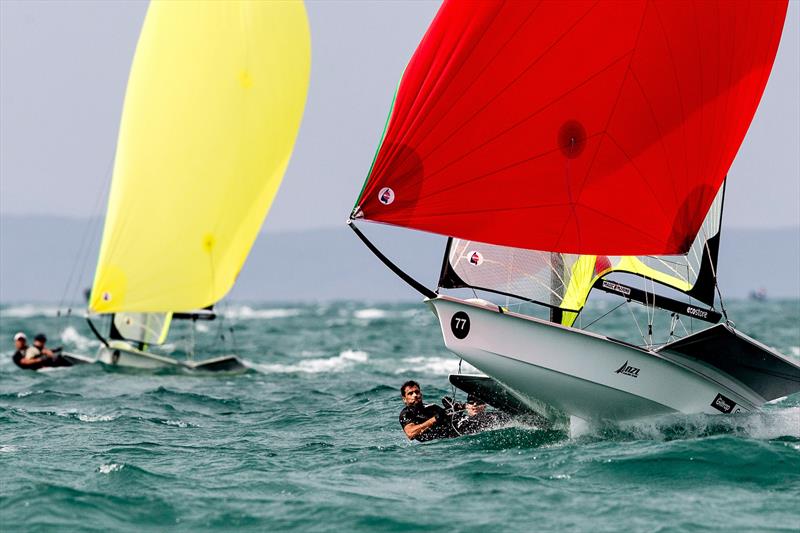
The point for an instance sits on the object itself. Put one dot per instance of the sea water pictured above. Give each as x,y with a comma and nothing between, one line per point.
307,439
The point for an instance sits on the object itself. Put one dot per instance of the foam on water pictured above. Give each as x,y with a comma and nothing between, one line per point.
109,468
29,311
343,361
248,313
434,365
96,418
767,425
370,314
74,340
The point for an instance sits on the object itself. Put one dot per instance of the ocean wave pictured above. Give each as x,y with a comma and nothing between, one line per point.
771,424
110,467
86,417
96,418
177,423
434,365
29,311
344,360
70,337
8,448
370,314
248,313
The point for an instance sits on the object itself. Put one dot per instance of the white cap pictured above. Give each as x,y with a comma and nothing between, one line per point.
19,336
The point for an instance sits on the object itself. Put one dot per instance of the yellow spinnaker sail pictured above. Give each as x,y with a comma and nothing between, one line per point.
213,105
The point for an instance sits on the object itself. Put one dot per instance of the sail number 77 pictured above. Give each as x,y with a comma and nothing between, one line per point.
459,325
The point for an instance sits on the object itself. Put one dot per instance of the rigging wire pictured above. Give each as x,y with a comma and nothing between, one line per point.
719,292
636,322
82,252
604,315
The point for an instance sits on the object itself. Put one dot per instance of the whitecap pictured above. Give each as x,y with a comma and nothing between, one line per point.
794,350
344,360
764,425
29,311
370,314
96,418
8,448
70,336
434,365
111,467
248,313
176,423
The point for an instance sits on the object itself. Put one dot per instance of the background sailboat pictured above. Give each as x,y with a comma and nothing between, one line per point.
213,105
563,144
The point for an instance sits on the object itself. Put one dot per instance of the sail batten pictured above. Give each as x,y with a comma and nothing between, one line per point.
590,128
212,109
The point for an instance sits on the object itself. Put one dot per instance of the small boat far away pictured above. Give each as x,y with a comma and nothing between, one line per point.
565,148
213,105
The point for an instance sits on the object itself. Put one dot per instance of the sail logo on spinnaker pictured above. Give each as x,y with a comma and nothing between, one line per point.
386,196
627,370
475,258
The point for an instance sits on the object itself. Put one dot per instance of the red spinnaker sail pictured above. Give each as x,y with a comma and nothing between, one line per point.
581,127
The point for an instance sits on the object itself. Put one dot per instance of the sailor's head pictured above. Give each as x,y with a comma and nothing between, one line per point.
20,340
475,405
411,393
39,340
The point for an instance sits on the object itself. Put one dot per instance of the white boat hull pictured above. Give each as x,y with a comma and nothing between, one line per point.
581,373
122,354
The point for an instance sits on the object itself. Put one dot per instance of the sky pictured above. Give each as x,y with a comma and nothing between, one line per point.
64,67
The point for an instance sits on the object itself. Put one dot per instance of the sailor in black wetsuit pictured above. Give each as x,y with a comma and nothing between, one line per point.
475,418
423,422
36,356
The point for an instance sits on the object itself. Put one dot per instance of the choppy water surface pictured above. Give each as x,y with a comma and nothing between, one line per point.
308,439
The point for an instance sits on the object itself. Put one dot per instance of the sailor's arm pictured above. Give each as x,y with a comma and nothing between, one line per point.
32,355
415,430
26,361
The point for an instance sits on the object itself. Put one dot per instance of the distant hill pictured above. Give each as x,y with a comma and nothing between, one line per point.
47,259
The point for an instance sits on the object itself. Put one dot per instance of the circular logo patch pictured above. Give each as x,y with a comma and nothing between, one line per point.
475,258
459,325
386,196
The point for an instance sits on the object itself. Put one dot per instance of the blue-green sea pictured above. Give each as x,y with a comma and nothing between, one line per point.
308,439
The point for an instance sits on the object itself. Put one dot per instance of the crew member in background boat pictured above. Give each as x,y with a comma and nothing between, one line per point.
420,421
39,350
38,355
21,345
29,357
